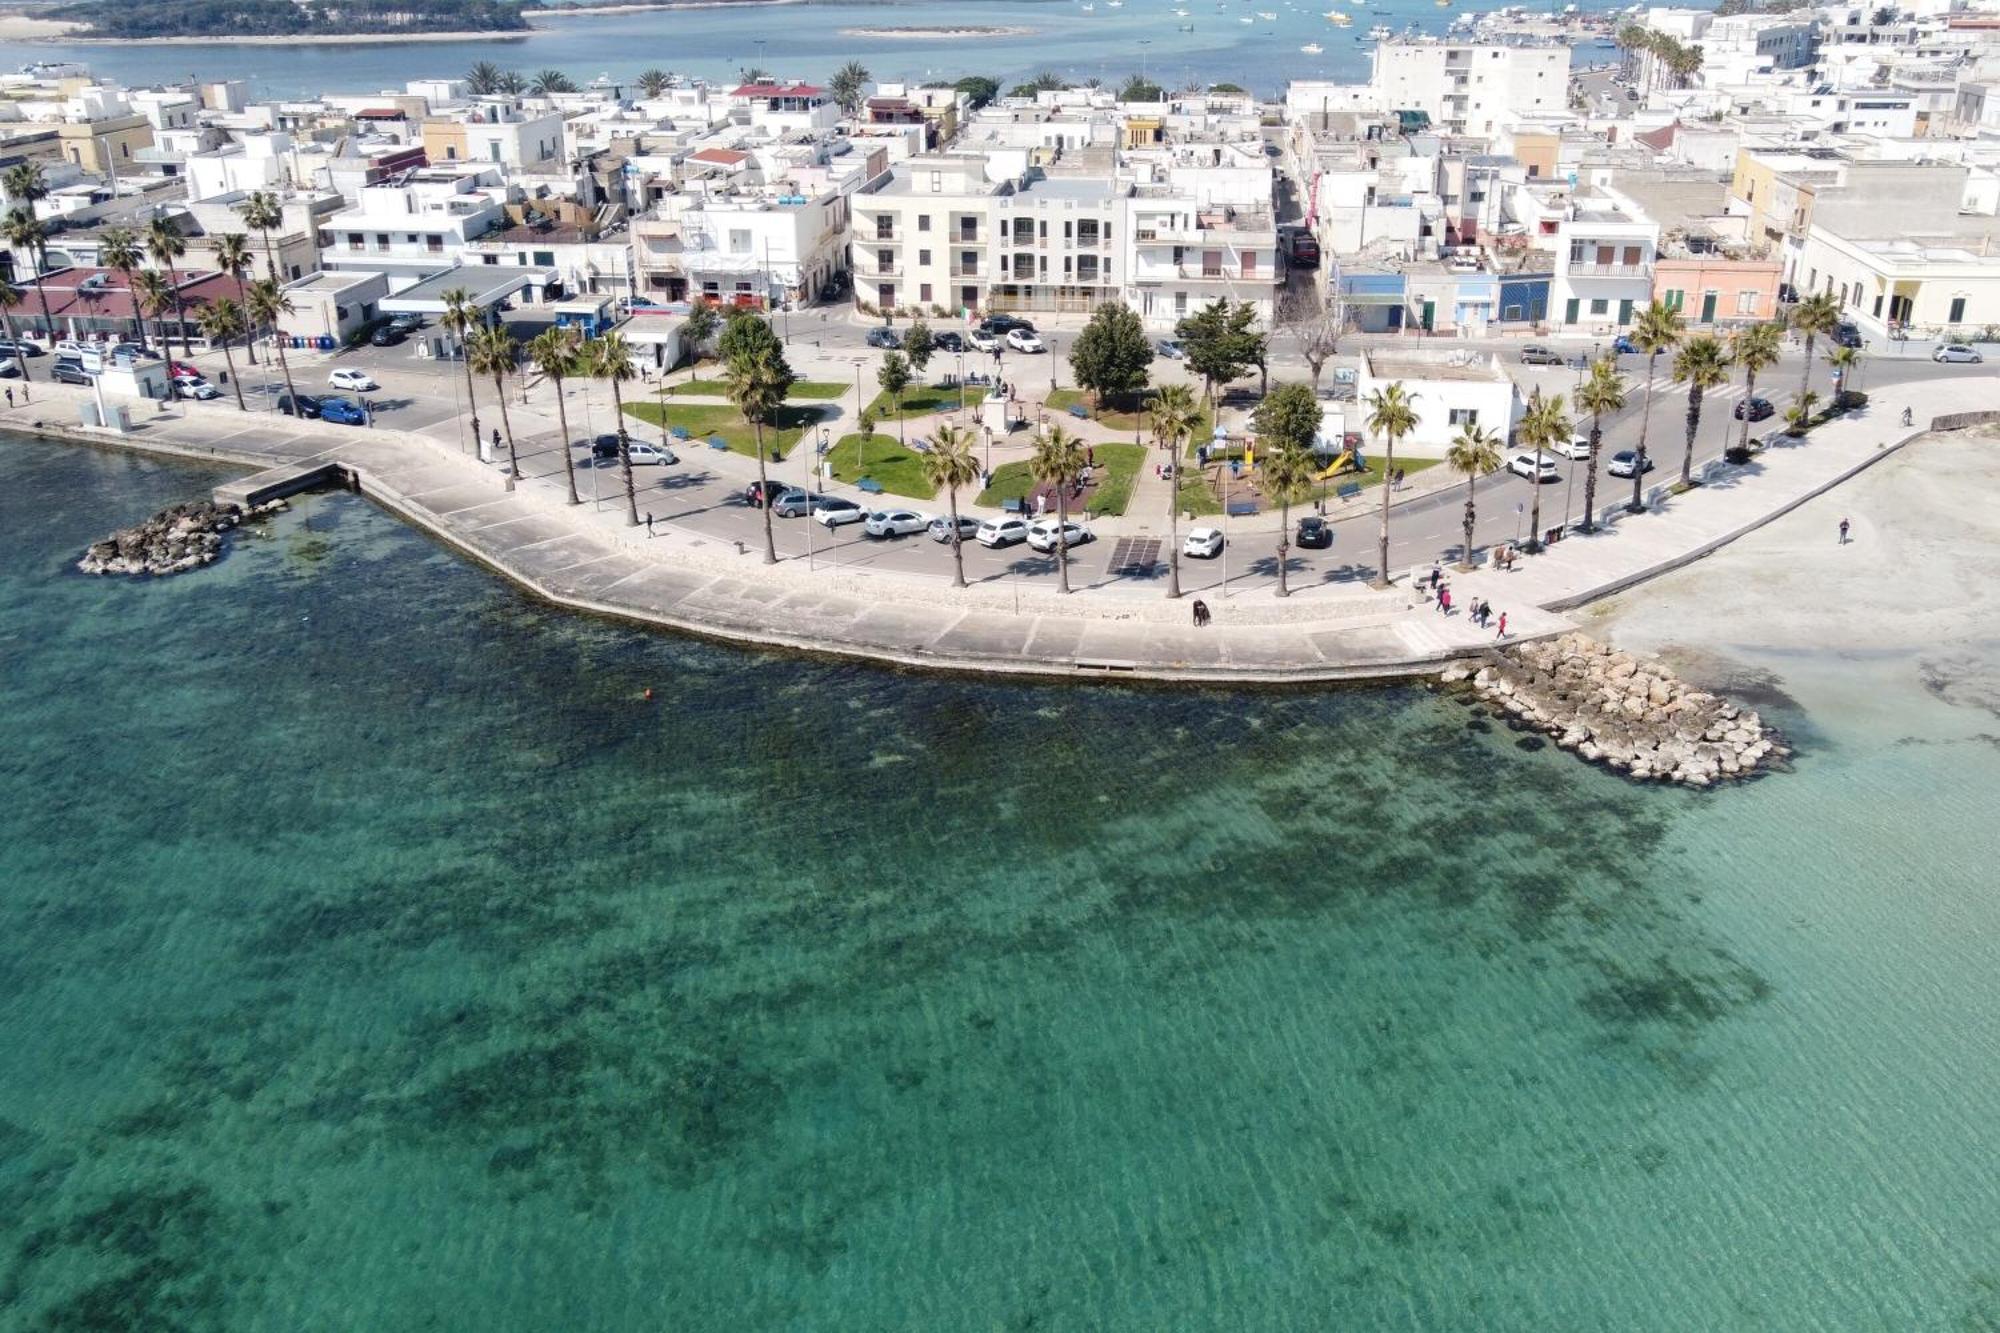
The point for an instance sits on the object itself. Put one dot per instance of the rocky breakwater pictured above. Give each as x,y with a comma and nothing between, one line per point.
1618,710
177,539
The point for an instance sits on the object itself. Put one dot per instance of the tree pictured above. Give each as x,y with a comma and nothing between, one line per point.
1176,417
220,321
1048,81
27,182
754,74
550,81
1110,355
951,464
28,235
1289,415
759,379
553,351
1600,395
10,299
1754,347
1317,326
1843,360
977,89
1812,317
459,319
1286,432
511,83
849,87
653,82
267,303
1138,88
166,245
918,344
152,295
483,79
1392,414
261,212
118,250
232,256
894,377
1657,328
1800,414
699,326
611,359
1219,343
1474,452
1701,364
495,353
1058,461
1227,88
1544,425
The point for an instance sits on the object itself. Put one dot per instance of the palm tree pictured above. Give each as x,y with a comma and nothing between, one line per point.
494,352
118,250
1812,317
1058,461
1474,453
611,359
1657,328
848,85
551,81
1545,424
483,79
1844,360
511,83
460,318
153,295
1392,414
261,212
28,235
232,256
1800,414
1176,416
1287,472
553,350
758,381
1601,394
267,302
220,321
653,82
10,297
26,181
1755,348
166,245
951,464
1701,364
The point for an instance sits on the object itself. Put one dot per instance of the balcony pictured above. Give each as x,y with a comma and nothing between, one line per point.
1641,269
870,269
960,271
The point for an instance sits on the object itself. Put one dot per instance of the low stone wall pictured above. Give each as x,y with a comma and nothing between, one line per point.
1614,709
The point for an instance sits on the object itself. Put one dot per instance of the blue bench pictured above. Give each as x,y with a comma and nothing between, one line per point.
1014,506
1242,508
1079,411
1347,492
869,485
679,432
717,442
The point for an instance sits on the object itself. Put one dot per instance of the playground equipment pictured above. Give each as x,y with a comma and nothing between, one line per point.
1349,460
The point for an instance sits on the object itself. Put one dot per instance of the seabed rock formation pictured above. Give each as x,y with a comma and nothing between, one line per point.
1628,714
178,538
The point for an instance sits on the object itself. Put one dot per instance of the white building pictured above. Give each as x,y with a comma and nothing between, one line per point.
1471,87
1605,250
414,226
1451,390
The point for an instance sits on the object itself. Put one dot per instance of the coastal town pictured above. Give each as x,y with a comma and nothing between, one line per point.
1109,378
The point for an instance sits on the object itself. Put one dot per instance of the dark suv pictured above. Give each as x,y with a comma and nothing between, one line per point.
1846,335
1004,324
70,372
305,406
1315,533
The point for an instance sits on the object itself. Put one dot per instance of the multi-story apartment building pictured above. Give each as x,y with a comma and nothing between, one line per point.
1605,249
414,226
927,234
1471,87
1182,255
497,131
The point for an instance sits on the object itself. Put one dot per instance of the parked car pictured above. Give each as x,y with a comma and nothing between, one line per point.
982,341
1534,354
1001,324
754,494
69,372
997,532
1957,352
796,502
305,405
387,336
1042,536
1755,409
1170,349
196,388
8,370
1533,468
71,348
832,511
1846,335
1624,346
181,370
948,342
1024,340
358,381
1577,447
1203,543
1625,462
884,337
19,347
603,448
1315,533
940,529
410,323
653,454
132,352
895,523
342,412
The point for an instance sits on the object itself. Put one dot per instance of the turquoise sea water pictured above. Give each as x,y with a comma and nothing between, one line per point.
373,955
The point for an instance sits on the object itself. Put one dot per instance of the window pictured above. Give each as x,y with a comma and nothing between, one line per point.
739,241
1746,302
887,295
1577,251
1570,310
354,240
923,222
1211,263
1600,306
1464,416
1675,298
924,258
885,260
968,261
546,258
1249,264
493,150
924,293
1631,256
1957,315
968,297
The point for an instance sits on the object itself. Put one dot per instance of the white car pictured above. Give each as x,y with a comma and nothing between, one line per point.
1002,531
982,341
357,381
1957,352
1203,543
940,529
835,511
895,523
650,453
1578,448
1024,340
1533,468
1042,536
195,388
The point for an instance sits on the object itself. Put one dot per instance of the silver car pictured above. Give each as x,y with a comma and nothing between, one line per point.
1957,352
940,529
895,523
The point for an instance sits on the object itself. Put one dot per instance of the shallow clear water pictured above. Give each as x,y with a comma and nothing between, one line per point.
373,955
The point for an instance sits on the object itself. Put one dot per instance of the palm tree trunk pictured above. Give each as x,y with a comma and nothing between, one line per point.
957,540
507,426
1465,555
624,455
562,423
1590,475
234,382
180,315
270,256
249,342
1694,422
1645,423
1535,509
1805,376
901,438
20,362
1174,524
1749,392
285,369
1062,534
1284,527
764,492
1382,544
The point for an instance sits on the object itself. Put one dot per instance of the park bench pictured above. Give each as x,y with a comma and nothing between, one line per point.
679,432
869,486
1019,506
1347,492
1242,508
1079,411
717,442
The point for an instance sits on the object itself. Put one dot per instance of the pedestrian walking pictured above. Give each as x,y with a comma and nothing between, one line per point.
649,522
10,395
1444,599
1437,576
1503,626
496,439
1843,522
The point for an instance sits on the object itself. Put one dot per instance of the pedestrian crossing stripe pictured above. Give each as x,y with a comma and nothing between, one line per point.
1720,391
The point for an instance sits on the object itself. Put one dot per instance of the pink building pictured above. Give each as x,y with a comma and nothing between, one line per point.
1711,289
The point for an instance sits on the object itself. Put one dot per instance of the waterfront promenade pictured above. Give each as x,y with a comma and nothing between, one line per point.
588,557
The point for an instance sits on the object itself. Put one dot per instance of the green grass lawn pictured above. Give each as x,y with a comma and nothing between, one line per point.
1197,497
920,400
898,470
804,389
704,421
1115,417
1117,467
1198,494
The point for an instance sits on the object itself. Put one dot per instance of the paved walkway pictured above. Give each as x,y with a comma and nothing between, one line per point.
590,559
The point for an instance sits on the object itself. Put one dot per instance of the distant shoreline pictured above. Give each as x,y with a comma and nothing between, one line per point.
934,33
591,11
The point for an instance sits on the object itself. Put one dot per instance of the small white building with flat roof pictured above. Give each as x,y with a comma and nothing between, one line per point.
1448,390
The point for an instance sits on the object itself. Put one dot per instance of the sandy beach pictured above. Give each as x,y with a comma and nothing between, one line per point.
593,11
935,34
310,39
21,28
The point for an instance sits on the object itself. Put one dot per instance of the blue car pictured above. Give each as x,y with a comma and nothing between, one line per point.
1623,345
342,412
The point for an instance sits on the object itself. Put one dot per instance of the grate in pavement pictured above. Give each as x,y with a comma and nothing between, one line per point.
1136,556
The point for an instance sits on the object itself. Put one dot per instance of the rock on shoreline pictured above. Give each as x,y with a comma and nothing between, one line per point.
1628,714
178,538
